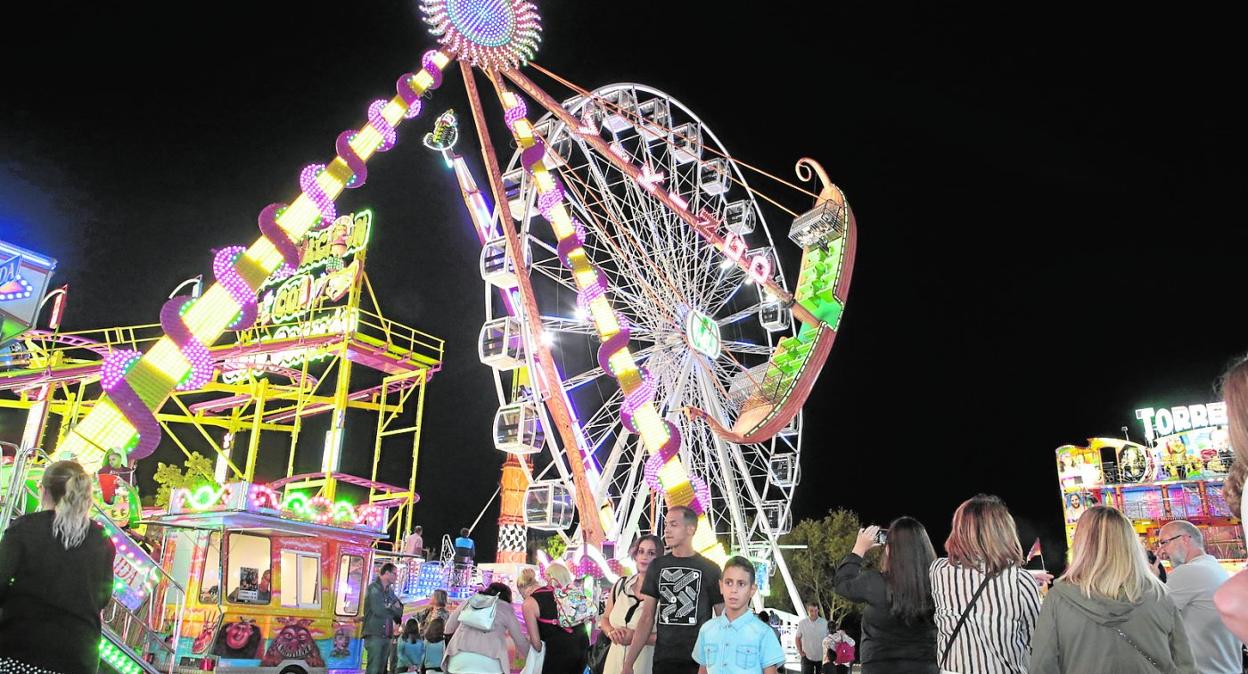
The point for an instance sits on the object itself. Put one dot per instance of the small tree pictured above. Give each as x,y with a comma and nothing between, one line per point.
198,472
813,567
556,546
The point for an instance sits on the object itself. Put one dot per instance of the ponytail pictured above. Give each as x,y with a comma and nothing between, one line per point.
68,487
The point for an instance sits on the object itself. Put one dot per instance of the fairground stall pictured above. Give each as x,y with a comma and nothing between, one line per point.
1176,475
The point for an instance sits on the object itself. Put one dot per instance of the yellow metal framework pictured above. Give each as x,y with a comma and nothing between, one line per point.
375,364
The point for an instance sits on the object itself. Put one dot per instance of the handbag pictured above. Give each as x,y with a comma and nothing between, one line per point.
481,614
597,656
944,657
533,663
1146,656
602,645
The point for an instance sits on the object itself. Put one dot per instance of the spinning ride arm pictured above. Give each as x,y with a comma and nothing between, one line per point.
822,288
135,384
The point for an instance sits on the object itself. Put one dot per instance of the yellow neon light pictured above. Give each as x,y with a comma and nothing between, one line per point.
163,365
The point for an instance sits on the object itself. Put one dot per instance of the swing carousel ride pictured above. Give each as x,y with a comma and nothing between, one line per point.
646,345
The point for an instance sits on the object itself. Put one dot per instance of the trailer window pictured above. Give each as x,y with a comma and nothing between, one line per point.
210,579
350,585
249,576
301,579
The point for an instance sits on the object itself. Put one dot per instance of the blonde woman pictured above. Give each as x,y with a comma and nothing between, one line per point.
986,604
57,571
1232,598
623,610
565,647
1108,614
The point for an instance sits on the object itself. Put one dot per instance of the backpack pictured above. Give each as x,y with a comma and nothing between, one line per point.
479,612
844,653
574,606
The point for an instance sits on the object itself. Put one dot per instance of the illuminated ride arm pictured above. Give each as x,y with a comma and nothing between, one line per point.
638,413
136,384
822,288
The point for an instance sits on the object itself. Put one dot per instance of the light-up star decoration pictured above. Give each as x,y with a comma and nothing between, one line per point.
489,34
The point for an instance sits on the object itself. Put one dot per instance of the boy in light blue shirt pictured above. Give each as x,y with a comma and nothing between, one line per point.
736,641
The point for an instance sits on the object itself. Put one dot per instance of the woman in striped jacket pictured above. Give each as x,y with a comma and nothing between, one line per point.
986,604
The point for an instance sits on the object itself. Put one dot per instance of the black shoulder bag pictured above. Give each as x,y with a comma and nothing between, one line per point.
944,657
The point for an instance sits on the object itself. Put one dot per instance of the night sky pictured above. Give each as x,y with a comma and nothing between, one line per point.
1049,205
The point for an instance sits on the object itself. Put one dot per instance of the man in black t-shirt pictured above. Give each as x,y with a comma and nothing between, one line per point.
680,591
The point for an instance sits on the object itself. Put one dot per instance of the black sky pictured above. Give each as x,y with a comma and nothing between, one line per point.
1049,203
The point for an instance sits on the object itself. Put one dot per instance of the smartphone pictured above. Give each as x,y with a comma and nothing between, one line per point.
881,536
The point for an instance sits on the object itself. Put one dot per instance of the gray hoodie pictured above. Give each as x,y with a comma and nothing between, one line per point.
1076,634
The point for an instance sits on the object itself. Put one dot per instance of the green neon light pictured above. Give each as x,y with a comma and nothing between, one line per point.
703,334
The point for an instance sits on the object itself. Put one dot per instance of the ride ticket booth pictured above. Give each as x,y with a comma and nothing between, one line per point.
275,582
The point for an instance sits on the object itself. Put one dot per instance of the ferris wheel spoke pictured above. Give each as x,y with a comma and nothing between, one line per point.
746,347
576,327
738,315
631,270
620,205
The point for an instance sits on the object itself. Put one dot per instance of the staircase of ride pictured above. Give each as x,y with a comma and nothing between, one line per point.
136,629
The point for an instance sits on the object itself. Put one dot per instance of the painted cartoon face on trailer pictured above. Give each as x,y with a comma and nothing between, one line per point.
342,642
239,640
293,642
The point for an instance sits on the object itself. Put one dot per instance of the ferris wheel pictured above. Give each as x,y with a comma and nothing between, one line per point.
703,328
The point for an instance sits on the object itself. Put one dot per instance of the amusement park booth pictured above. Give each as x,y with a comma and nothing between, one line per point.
1178,475
275,582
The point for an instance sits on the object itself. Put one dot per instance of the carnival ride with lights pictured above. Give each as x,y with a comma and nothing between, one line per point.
317,352
1179,475
681,312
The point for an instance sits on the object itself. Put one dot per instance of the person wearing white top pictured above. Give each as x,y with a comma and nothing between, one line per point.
1195,578
810,633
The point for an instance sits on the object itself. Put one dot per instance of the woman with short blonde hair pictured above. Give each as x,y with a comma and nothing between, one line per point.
1108,614
986,604
565,648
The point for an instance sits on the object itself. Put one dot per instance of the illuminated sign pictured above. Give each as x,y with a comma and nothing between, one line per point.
758,264
296,295
245,497
295,305
1168,421
24,277
339,321
703,334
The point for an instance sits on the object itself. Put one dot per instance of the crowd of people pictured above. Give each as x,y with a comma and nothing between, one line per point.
976,610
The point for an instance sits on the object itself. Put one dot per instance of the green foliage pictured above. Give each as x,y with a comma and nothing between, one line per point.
813,568
198,471
556,546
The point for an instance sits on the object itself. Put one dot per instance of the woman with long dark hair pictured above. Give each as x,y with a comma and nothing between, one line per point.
56,575
898,635
623,610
